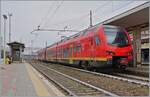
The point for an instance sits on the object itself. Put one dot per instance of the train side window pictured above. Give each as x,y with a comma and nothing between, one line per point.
79,48
65,52
97,40
91,41
74,48
70,51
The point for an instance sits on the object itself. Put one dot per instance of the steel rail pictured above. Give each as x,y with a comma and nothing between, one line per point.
61,86
114,77
84,83
131,76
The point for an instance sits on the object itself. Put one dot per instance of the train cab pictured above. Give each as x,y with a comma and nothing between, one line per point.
119,50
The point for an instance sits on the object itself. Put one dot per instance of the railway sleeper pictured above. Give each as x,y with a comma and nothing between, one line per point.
88,93
83,90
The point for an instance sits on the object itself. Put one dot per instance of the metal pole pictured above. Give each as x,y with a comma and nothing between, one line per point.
91,18
56,51
45,49
32,41
0,45
9,14
31,47
0,36
4,53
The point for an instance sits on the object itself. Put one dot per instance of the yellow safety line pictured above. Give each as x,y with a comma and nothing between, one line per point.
82,58
38,85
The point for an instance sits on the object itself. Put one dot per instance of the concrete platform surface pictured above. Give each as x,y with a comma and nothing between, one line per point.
21,79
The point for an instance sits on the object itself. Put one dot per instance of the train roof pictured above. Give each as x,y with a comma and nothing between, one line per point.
75,35
81,33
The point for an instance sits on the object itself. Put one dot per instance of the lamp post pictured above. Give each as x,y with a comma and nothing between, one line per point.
31,47
0,45
9,14
4,52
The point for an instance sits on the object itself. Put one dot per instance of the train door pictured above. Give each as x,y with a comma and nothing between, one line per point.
92,52
98,47
70,58
45,53
71,47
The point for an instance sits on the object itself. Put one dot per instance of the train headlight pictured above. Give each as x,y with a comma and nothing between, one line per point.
110,53
130,53
123,61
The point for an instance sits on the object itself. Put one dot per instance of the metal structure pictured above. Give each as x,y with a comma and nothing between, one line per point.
91,18
53,30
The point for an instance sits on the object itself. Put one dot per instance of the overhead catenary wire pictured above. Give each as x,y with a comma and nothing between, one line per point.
100,8
70,20
103,12
77,18
46,16
55,11
81,18
74,21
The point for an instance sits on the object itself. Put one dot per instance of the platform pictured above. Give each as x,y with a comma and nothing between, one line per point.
21,79
141,70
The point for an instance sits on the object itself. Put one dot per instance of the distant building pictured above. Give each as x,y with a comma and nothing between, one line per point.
145,46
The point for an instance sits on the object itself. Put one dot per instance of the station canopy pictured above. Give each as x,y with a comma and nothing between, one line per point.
131,19
15,45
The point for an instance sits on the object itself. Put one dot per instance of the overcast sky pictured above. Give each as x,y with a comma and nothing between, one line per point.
27,15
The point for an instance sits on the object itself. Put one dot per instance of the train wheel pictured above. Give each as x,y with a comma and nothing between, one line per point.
123,67
85,65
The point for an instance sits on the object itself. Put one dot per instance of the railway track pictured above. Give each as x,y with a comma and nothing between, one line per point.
117,85
123,77
133,77
72,86
141,72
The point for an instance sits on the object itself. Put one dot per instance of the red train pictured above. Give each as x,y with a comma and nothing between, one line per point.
99,46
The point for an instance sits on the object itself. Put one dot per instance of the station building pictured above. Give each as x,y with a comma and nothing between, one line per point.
145,47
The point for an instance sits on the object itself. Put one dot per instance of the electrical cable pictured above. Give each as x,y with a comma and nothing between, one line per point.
43,19
55,11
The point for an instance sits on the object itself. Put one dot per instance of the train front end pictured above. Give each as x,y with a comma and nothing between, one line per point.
119,50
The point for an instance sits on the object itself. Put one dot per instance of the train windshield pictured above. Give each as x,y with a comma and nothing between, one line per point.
116,36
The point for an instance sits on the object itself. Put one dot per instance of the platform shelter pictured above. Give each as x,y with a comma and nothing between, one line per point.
16,50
